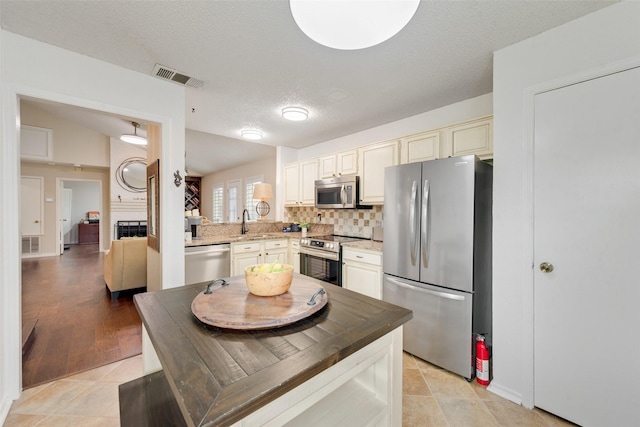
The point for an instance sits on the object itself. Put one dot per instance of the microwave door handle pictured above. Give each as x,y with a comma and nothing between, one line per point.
343,196
412,222
426,225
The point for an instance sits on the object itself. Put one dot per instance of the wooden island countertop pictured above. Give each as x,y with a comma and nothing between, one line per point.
220,376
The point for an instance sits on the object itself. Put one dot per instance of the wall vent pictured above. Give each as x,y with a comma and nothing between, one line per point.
167,73
30,245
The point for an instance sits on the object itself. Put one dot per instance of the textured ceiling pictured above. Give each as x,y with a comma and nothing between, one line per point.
254,59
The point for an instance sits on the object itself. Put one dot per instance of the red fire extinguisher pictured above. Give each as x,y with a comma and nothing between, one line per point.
482,361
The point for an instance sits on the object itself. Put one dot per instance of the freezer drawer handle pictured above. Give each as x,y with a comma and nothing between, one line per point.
427,291
206,252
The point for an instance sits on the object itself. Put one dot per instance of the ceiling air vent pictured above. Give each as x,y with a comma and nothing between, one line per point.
167,73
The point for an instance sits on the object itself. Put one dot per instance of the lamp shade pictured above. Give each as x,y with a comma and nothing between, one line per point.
262,191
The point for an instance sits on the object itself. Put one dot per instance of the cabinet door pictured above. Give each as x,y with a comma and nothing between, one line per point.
372,160
308,176
327,166
347,162
291,184
471,138
362,278
280,255
240,262
294,255
420,147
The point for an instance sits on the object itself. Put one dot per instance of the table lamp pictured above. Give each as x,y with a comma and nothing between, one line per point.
262,192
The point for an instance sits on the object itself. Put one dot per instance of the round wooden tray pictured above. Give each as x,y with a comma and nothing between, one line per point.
232,306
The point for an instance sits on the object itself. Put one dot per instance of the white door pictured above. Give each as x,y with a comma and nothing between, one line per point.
31,209
65,238
587,225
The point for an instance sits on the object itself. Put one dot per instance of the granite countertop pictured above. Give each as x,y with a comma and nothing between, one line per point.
370,245
220,376
219,240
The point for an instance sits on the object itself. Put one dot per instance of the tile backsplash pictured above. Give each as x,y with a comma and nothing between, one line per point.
348,222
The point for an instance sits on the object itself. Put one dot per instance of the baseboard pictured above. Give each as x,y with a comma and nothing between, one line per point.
4,410
24,256
504,392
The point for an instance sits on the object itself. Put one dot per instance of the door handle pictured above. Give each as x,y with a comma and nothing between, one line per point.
546,267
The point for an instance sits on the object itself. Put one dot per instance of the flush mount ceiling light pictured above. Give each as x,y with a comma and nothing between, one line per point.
134,138
352,24
251,134
296,114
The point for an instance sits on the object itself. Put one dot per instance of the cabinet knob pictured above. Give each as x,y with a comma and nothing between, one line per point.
36,221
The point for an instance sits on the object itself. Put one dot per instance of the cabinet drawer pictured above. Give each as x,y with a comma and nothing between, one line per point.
243,248
359,256
276,244
294,243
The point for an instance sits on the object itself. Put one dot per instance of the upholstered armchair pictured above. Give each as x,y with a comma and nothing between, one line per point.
125,265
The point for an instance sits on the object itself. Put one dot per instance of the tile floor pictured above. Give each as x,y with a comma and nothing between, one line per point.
431,397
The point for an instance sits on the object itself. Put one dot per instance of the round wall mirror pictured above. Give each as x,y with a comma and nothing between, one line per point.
132,174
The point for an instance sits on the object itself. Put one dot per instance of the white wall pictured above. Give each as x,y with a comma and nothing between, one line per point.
265,167
580,47
83,81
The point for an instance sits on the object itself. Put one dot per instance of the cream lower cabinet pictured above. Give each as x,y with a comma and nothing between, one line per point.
294,254
362,271
372,160
244,254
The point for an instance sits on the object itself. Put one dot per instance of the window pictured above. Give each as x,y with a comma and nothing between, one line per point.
218,203
233,196
249,203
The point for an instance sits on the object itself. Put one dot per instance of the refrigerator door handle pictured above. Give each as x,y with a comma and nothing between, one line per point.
425,291
426,225
412,222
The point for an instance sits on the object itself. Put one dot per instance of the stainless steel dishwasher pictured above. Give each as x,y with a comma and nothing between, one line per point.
206,263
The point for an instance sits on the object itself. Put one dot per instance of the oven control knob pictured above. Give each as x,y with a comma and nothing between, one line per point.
330,245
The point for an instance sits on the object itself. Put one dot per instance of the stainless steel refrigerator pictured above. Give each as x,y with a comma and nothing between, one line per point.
437,256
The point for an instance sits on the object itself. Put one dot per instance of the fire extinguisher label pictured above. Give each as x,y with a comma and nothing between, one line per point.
482,369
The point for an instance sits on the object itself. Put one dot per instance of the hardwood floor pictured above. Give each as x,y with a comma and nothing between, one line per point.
78,326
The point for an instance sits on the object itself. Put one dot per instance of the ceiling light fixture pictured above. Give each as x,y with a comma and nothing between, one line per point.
134,138
251,134
352,24
296,114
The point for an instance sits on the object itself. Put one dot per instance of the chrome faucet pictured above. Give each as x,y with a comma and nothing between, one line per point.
244,223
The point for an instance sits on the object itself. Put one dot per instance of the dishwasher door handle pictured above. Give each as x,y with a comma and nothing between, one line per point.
215,251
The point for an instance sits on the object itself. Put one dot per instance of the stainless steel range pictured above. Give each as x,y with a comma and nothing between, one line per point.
321,257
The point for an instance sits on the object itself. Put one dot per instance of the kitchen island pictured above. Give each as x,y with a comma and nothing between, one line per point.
340,366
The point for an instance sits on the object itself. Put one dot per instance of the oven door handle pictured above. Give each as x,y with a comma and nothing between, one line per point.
333,256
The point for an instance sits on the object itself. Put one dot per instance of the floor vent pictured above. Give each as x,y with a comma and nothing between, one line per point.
167,73
30,245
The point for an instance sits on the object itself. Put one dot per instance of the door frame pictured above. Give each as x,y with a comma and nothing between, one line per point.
527,167
59,201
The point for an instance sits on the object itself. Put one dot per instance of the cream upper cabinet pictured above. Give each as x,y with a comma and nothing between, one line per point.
343,163
420,147
475,137
299,183
372,160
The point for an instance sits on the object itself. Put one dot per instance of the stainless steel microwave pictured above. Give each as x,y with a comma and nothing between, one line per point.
341,192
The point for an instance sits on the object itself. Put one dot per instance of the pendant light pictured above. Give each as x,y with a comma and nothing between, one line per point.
134,138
